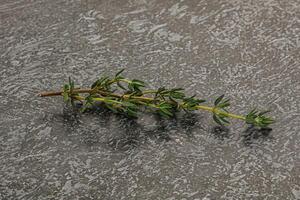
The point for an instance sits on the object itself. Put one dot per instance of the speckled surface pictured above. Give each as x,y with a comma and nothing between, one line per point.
247,49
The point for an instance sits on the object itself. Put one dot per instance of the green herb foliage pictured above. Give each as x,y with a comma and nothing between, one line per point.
128,97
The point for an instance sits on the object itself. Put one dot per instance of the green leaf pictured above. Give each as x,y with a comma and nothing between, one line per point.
138,83
128,104
165,105
165,108
101,82
219,99
71,84
201,101
66,88
66,97
88,103
176,93
95,84
191,102
130,87
224,104
159,90
223,119
217,120
119,72
166,111
121,86
111,108
66,93
259,119
131,112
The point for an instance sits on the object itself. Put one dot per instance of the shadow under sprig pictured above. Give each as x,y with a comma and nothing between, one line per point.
129,134
220,132
253,134
134,134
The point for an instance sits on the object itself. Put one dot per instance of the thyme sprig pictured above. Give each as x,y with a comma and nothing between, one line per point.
125,96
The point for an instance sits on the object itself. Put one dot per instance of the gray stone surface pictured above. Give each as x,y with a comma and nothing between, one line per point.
247,49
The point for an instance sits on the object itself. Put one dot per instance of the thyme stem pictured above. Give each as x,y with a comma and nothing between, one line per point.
164,101
142,98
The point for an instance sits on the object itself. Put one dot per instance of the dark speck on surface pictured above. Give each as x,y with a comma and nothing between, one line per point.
246,49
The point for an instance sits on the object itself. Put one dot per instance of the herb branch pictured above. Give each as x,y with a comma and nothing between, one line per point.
125,96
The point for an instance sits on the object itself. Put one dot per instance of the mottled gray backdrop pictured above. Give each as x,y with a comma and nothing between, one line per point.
247,49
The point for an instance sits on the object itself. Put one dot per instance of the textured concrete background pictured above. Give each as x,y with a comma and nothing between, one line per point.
246,49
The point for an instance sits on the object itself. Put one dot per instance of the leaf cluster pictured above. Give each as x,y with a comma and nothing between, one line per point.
126,106
68,92
191,103
259,118
135,87
162,93
222,105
